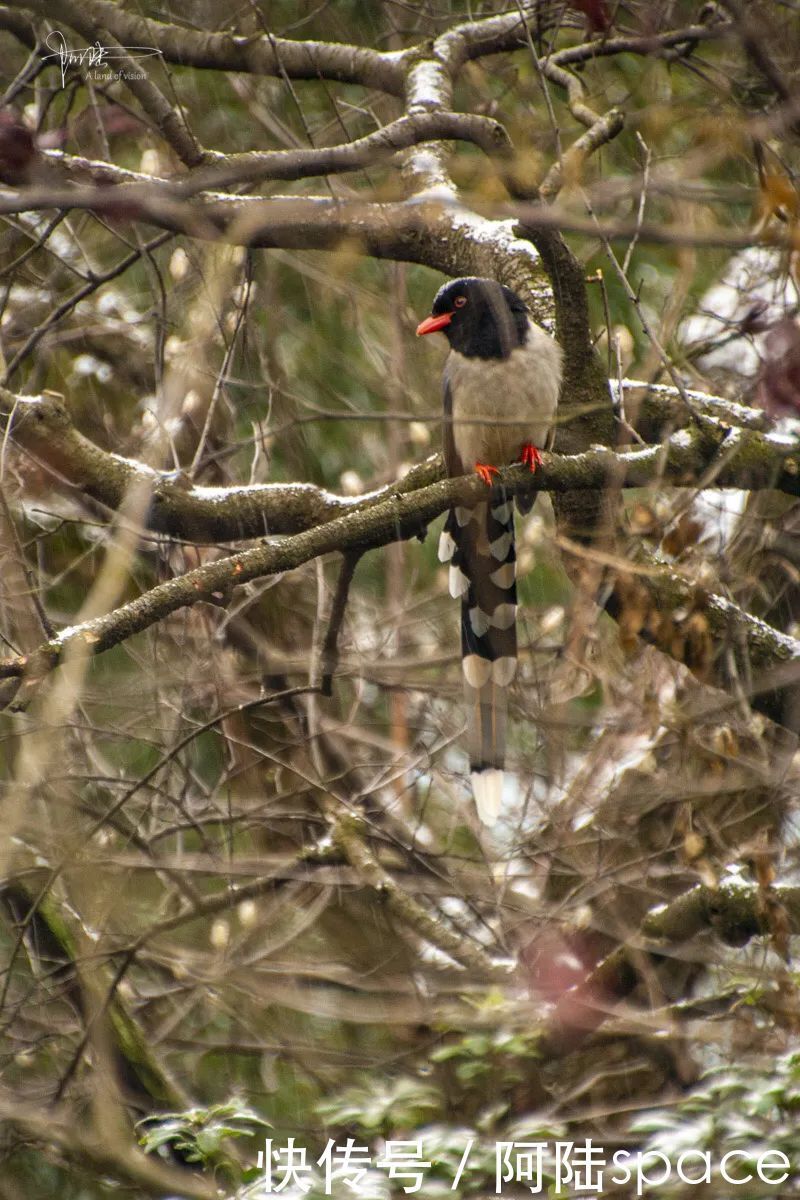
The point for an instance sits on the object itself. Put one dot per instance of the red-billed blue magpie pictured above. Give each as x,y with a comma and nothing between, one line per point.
501,383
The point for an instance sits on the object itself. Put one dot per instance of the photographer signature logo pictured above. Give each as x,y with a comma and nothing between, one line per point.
99,59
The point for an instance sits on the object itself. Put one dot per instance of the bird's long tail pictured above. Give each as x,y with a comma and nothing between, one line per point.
479,545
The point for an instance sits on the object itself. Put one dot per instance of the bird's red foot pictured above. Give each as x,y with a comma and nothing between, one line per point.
486,472
531,457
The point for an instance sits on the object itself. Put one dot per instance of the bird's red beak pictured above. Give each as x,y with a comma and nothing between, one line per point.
433,324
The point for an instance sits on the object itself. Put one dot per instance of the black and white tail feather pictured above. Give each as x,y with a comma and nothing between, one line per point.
479,545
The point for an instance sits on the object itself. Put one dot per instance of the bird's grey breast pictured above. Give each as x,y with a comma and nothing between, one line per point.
500,404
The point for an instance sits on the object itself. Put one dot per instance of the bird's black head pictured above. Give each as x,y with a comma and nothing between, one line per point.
479,317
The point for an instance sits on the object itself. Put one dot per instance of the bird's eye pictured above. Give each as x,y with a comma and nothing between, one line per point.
460,301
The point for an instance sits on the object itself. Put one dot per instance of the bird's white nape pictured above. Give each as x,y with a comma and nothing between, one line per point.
487,788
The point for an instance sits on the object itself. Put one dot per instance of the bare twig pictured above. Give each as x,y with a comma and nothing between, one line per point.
330,646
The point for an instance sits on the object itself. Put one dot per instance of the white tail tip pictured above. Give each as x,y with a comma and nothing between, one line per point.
447,546
487,788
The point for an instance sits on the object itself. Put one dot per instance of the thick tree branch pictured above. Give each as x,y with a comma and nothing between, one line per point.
42,425
367,151
436,231
670,592
199,514
259,55
401,515
446,237
340,62
657,409
227,170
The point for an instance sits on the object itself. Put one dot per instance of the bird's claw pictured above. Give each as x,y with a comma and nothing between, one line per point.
531,456
485,472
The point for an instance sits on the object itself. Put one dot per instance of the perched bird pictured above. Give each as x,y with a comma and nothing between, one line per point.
501,385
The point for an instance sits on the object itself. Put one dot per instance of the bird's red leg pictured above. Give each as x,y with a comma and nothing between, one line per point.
486,472
531,457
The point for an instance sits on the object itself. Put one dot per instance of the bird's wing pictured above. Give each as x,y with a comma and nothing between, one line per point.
452,462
